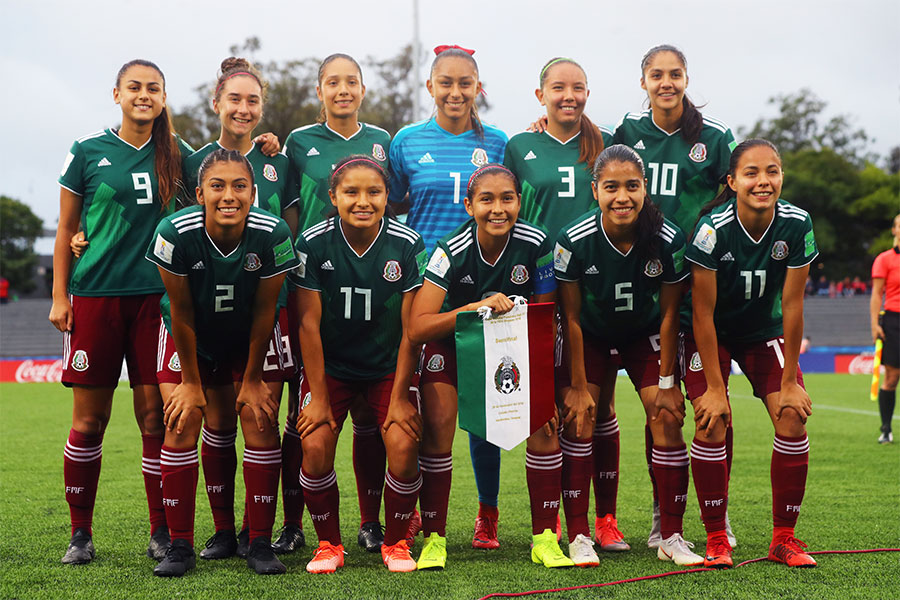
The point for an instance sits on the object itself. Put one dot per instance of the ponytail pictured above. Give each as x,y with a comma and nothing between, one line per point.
591,143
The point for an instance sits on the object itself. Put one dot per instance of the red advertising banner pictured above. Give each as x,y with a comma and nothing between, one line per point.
31,370
857,364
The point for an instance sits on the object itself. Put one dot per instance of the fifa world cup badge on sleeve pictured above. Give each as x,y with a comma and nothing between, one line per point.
283,252
440,263
810,243
163,249
561,258
301,268
706,238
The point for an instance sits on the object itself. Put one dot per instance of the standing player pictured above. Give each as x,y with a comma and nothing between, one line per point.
886,282
116,185
432,160
238,100
619,269
223,264
483,262
357,277
313,151
687,155
751,253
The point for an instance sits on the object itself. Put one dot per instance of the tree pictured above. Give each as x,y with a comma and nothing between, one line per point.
19,227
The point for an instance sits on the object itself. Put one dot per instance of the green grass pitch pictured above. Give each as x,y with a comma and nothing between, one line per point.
852,502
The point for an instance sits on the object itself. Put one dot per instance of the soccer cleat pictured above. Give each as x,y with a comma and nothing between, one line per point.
732,541
545,551
886,437
485,537
718,551
243,543
678,550
327,558
179,560
608,536
261,558
370,536
81,548
790,551
159,543
434,553
581,551
415,526
396,558
655,537
222,544
291,538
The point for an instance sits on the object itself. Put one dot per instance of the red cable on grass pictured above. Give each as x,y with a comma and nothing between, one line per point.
659,575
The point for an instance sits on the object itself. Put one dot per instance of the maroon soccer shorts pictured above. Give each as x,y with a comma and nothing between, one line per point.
598,358
439,362
342,393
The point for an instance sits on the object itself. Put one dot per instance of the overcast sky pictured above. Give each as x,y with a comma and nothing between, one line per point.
59,59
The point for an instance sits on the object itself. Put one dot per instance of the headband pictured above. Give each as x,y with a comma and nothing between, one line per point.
553,62
445,47
356,160
218,87
480,170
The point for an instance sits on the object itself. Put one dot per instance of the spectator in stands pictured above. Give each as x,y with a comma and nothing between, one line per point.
886,282
810,286
4,290
859,286
823,286
805,343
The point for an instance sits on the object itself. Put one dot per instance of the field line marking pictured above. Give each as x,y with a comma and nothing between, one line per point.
854,411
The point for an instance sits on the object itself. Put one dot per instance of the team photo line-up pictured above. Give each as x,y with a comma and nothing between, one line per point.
220,274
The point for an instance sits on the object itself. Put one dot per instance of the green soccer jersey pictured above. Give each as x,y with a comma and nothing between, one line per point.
619,292
750,274
682,177
524,268
313,151
362,296
121,208
222,286
271,176
556,188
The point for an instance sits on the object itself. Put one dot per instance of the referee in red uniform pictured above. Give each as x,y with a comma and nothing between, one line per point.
886,282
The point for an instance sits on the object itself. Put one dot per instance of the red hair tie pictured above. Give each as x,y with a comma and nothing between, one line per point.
445,47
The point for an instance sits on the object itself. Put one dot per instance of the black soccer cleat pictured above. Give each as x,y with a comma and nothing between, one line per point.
179,560
291,538
222,544
243,543
80,550
371,536
262,559
159,543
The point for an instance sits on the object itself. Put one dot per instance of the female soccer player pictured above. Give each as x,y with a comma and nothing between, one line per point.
223,264
357,277
483,262
886,283
313,151
619,269
751,253
116,184
686,153
432,160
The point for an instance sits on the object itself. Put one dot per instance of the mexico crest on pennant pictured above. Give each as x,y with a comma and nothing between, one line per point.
506,377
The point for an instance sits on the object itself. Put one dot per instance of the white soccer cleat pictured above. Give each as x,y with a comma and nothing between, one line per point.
581,551
678,550
728,532
655,537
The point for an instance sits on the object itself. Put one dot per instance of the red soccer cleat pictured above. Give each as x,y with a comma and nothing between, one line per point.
415,526
790,551
608,536
485,537
718,551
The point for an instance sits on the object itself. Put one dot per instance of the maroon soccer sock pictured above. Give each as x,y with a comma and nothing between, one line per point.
710,471
180,470
291,492
153,480
543,472
219,466
261,469
81,471
400,497
670,468
437,475
729,448
790,463
606,466
648,454
577,468
368,465
323,501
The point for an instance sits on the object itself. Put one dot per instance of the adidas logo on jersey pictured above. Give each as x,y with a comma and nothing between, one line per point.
467,279
530,155
197,266
640,145
426,159
104,162
727,256
592,270
312,152
327,266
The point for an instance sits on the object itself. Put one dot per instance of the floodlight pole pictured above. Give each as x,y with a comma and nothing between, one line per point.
417,52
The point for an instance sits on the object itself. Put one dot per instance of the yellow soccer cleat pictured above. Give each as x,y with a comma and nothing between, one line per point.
545,550
434,553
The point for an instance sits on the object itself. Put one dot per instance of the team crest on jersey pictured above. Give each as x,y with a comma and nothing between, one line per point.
378,152
392,270
653,268
519,274
80,361
479,157
252,262
306,400
175,363
780,250
270,173
435,363
507,376
698,152
696,366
